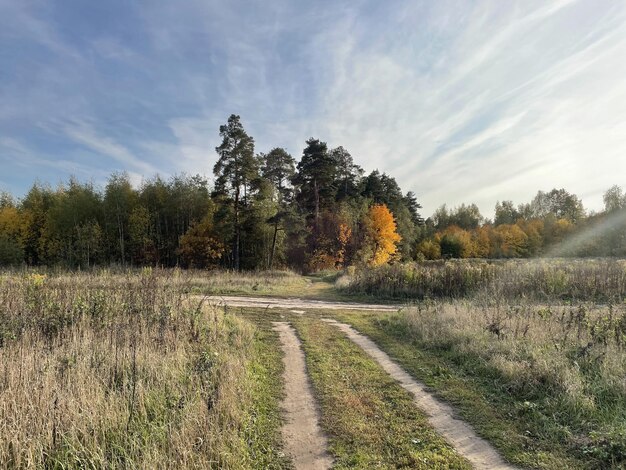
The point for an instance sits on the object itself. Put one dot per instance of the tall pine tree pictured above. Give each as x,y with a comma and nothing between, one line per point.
235,169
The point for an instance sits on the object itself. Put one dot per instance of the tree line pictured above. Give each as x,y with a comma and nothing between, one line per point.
264,210
554,223
267,210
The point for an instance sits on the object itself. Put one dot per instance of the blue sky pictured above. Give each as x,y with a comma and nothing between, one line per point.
461,101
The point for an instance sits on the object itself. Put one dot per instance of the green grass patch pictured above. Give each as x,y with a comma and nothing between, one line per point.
253,283
262,435
370,420
284,284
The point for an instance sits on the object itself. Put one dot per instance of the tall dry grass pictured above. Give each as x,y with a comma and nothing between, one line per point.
273,282
213,282
120,371
563,368
599,280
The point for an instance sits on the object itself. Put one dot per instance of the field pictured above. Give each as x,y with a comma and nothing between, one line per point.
141,369
119,371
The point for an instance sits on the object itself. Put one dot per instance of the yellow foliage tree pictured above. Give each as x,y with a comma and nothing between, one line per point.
10,223
381,235
534,232
560,230
343,238
481,241
512,240
11,236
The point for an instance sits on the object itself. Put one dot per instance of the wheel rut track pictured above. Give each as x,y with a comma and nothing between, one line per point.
441,416
303,438
292,303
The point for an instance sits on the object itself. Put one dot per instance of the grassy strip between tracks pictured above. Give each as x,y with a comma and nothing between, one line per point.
370,420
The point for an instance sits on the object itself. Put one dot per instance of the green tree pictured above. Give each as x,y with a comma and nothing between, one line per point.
34,211
76,212
347,172
88,242
410,201
278,167
451,246
235,169
506,213
558,202
11,253
156,196
119,201
373,188
316,177
614,199
467,217
6,200
140,243
441,217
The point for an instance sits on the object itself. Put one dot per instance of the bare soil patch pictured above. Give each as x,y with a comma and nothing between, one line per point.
303,438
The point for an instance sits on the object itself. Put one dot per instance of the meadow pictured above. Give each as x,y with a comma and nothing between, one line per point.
124,371
539,280
546,385
138,368
533,353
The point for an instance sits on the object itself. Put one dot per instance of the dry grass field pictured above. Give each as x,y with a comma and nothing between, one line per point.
137,369
112,371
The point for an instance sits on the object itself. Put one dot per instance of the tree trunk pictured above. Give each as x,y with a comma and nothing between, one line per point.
120,230
273,245
237,231
316,193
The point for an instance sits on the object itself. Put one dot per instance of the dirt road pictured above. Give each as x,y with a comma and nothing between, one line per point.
303,438
291,304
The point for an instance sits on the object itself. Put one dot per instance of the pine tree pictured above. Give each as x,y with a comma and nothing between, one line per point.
316,178
278,167
235,169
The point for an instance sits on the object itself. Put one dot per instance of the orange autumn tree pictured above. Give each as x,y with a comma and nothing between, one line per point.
381,238
200,246
329,242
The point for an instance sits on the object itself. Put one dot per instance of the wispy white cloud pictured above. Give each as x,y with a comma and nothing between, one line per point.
27,19
85,135
24,157
461,101
523,101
